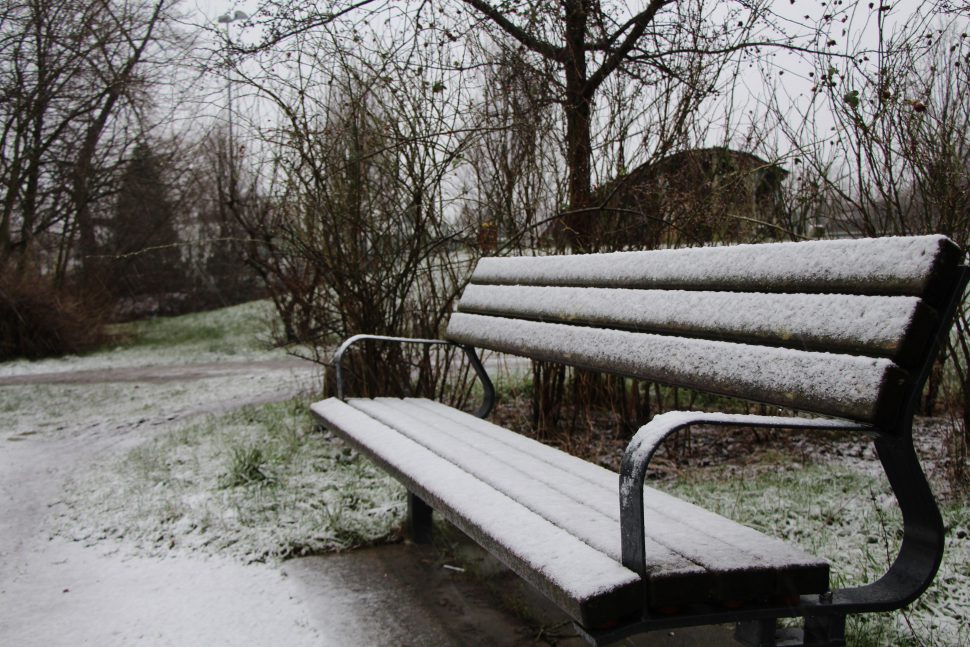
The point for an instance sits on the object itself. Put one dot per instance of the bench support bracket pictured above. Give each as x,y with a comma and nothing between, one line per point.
488,389
419,520
819,631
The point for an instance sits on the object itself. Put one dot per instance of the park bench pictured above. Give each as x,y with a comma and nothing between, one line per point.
845,332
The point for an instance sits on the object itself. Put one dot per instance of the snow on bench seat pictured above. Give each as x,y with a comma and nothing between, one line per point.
593,588
695,556
721,547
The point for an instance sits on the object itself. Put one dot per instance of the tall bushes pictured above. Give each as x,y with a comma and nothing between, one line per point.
38,320
898,163
355,237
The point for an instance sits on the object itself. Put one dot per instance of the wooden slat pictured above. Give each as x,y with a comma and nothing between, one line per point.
857,388
802,572
921,266
684,542
591,587
863,325
542,492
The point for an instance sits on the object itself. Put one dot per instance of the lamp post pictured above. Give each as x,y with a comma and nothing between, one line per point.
227,19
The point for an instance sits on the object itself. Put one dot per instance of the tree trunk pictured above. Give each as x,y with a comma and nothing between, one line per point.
579,148
81,194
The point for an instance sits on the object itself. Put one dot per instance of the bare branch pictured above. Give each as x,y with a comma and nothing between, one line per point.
637,25
537,45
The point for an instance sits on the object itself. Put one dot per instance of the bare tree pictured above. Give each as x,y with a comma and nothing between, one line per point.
514,158
356,232
578,46
69,71
897,161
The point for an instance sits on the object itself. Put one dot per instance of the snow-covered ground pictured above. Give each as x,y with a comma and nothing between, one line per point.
55,591
234,334
839,506
136,485
256,484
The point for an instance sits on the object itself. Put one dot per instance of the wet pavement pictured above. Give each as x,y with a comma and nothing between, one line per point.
451,593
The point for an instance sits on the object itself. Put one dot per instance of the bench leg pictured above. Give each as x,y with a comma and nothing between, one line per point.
819,631
419,520
825,630
757,633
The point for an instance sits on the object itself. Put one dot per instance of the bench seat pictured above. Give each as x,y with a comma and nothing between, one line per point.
555,519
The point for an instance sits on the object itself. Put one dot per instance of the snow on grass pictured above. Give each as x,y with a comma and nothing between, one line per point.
256,483
259,483
850,519
99,408
236,332
231,330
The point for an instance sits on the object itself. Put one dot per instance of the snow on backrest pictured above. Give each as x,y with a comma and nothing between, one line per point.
753,321
916,266
863,325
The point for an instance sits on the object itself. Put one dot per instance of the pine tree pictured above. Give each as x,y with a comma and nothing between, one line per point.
146,260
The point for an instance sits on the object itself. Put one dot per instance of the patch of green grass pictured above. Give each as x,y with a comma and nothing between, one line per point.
259,483
509,387
243,327
851,520
247,466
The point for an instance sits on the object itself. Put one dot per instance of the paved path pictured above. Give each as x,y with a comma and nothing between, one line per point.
161,374
56,592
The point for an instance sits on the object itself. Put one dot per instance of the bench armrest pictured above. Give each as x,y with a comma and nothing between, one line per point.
919,555
640,451
489,390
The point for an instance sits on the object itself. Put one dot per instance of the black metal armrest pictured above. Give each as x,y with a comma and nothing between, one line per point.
489,390
922,547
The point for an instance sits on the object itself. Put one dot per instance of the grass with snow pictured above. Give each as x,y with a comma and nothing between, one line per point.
259,483
241,331
850,519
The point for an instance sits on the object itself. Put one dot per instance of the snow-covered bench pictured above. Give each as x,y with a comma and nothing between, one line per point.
847,330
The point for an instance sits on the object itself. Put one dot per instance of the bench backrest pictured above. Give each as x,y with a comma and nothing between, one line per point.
839,328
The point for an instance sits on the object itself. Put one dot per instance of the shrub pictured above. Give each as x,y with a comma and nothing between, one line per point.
39,320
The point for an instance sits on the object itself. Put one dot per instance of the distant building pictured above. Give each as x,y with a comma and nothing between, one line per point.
694,196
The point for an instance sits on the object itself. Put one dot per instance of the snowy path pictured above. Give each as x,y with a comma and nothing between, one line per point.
158,374
55,592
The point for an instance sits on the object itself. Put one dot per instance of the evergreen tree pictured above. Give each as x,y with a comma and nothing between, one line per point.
146,260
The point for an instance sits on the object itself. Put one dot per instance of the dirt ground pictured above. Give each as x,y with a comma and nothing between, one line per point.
56,592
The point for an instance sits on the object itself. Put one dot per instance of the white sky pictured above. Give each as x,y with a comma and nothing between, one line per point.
789,72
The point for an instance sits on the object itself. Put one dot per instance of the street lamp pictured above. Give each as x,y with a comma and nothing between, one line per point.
227,19
239,15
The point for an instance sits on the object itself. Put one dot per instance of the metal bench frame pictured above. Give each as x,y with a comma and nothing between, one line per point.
907,578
